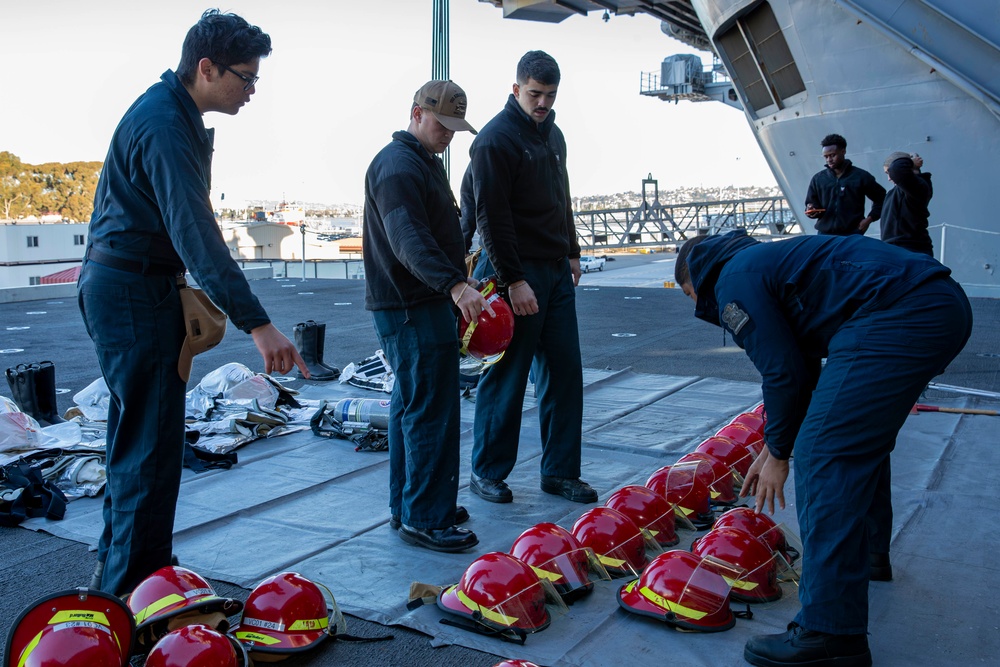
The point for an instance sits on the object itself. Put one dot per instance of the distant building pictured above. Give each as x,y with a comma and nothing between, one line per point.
32,252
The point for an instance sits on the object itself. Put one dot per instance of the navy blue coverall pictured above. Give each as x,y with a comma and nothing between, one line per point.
152,218
887,321
523,213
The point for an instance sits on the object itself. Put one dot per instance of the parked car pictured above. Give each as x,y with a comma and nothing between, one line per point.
590,263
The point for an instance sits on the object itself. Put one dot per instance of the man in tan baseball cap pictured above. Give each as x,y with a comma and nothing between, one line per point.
447,102
415,282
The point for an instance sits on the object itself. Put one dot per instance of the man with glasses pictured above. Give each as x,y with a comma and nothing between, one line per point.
152,220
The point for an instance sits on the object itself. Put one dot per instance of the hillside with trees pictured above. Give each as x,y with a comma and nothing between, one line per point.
55,188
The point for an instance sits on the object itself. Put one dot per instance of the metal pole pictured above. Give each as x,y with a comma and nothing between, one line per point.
440,69
302,228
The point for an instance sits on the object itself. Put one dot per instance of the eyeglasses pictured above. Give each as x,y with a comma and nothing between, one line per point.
249,80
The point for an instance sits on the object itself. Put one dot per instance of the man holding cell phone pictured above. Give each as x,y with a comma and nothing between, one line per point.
836,195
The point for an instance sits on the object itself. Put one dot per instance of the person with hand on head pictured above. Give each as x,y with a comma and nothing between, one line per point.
905,214
153,220
887,321
414,255
836,196
518,188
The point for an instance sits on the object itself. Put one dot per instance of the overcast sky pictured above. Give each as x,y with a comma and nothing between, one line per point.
340,81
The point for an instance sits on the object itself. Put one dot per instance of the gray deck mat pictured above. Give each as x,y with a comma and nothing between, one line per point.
316,506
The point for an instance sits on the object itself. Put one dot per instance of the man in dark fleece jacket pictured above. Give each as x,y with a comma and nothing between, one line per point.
522,208
887,321
836,195
414,277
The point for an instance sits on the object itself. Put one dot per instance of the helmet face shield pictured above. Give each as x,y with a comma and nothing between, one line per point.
721,488
737,456
684,590
759,566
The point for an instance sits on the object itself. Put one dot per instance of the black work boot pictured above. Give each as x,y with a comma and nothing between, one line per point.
320,345
21,380
306,341
45,394
799,646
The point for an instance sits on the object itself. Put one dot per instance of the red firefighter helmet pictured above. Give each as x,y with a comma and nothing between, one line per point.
502,593
752,420
488,337
556,556
762,527
735,455
169,592
515,663
740,434
648,510
618,542
197,646
286,613
74,628
759,582
684,590
686,488
721,489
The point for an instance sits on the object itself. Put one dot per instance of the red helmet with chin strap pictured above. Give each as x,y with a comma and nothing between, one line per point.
74,628
735,456
619,543
648,510
687,488
722,487
284,614
556,556
759,582
683,590
488,337
501,593
762,527
170,592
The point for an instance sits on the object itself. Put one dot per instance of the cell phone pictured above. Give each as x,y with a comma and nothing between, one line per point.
815,210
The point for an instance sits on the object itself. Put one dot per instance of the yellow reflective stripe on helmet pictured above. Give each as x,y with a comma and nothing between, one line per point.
488,614
741,584
713,493
467,336
609,561
67,615
28,649
257,638
664,603
143,614
683,511
545,574
308,624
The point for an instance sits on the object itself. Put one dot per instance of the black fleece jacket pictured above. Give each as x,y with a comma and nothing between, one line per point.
413,246
521,191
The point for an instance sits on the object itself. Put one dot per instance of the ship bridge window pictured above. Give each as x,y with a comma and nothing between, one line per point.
762,64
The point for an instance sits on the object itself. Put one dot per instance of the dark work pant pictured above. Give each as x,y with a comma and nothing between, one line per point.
421,344
137,327
549,343
878,363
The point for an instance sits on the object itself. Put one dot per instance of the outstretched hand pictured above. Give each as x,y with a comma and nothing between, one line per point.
766,481
278,352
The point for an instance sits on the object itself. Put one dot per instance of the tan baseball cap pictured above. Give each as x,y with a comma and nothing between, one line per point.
205,325
447,102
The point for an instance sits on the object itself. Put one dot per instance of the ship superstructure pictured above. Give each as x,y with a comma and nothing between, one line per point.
919,76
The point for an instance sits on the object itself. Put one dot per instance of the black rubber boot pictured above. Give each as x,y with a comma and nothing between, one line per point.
21,380
45,394
306,341
320,345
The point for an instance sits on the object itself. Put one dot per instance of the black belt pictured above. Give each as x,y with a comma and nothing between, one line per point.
144,266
